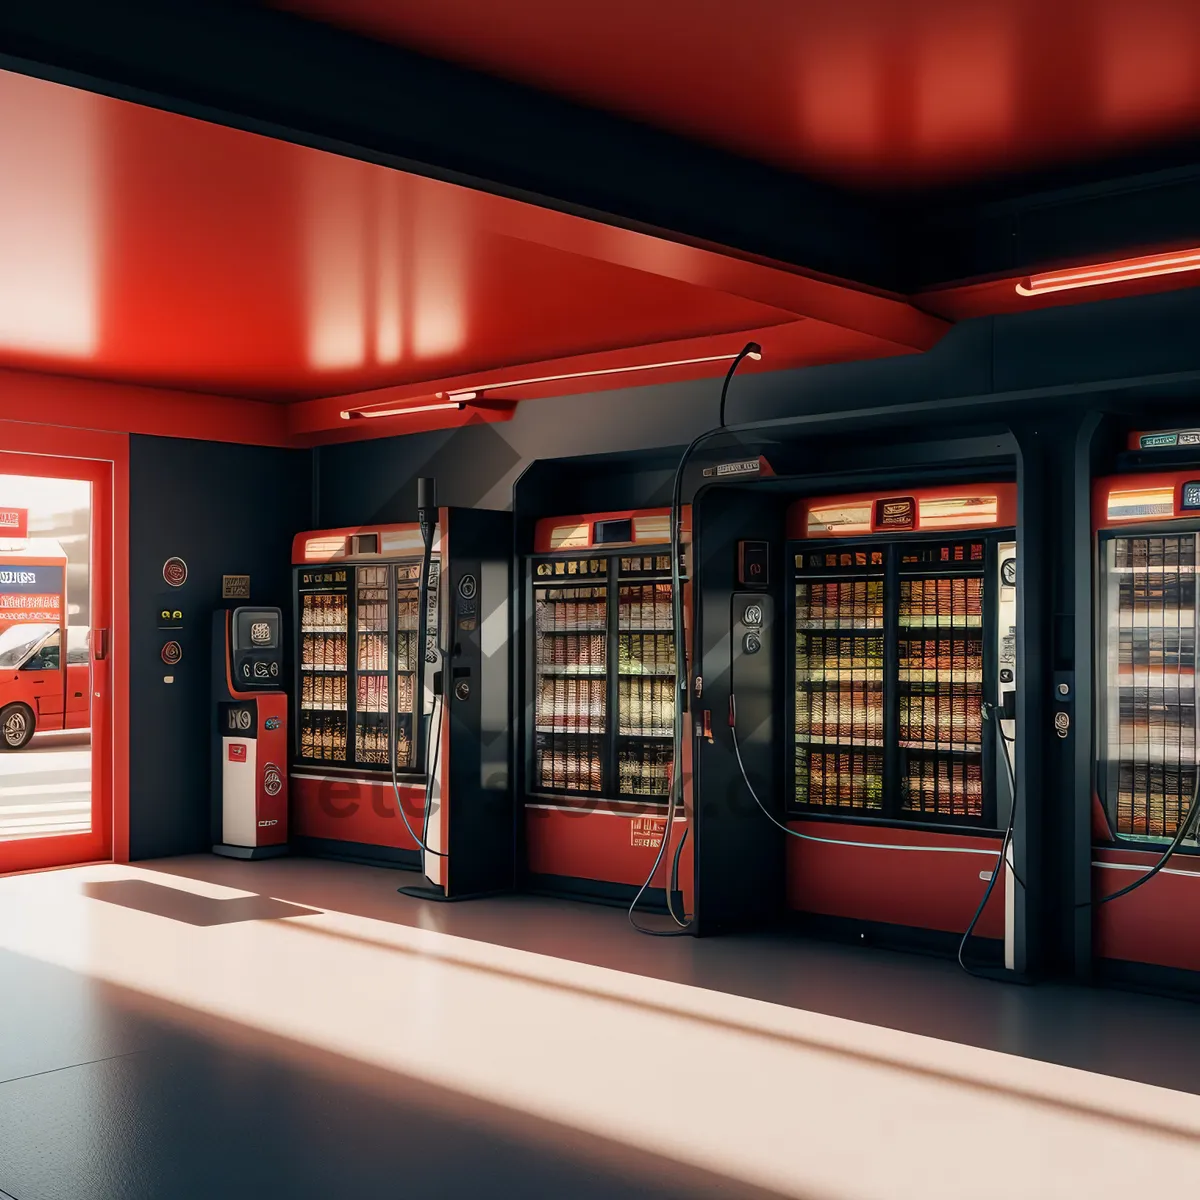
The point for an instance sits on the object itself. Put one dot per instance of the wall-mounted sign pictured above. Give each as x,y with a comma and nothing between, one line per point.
898,513
235,587
14,522
31,593
171,653
175,572
1167,439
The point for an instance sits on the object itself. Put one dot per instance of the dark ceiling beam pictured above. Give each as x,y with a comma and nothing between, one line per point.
962,237
287,77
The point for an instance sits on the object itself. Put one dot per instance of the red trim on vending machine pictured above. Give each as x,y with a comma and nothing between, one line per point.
937,510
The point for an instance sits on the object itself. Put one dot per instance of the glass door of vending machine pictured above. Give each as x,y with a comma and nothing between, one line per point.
323,709
940,680
897,645
371,671
348,616
579,634
571,668
1147,654
646,679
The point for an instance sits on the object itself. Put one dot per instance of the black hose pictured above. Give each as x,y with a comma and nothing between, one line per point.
1184,826
675,791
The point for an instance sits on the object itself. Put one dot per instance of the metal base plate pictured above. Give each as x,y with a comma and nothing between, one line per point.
250,851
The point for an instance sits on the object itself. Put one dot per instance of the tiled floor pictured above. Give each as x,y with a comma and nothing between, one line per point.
203,1027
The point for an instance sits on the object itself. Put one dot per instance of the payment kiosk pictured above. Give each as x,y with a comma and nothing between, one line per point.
249,779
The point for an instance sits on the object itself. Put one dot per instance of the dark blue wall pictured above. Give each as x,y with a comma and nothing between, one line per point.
225,510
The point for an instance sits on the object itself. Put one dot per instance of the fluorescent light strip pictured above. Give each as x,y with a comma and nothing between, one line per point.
354,413
462,396
1111,272
678,362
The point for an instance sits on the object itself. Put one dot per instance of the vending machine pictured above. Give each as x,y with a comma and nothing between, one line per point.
356,606
903,625
249,778
1145,528
600,693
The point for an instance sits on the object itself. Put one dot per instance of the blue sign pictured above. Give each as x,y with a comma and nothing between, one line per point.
16,579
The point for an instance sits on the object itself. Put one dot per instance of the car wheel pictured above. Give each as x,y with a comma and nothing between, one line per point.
17,724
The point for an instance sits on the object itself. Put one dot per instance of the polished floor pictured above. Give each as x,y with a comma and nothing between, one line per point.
201,1027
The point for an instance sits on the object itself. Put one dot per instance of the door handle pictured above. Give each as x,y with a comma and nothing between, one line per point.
99,644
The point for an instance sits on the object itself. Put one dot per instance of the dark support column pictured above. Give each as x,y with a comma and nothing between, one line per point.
1079,876
1033,686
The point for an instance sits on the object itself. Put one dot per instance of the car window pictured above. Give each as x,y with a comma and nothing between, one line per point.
77,646
17,641
48,657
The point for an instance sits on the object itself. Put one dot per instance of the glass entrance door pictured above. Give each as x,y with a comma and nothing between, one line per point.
55,627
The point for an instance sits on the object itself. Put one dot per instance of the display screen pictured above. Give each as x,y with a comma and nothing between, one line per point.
256,629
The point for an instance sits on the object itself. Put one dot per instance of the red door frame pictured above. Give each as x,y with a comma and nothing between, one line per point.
103,460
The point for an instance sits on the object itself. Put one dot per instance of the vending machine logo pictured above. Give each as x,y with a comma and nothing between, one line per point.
1191,495
272,780
260,633
237,752
896,514
271,723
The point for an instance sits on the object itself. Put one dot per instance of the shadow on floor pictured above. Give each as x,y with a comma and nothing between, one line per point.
187,1106
191,909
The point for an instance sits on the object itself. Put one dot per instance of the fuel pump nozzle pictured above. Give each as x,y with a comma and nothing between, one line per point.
427,509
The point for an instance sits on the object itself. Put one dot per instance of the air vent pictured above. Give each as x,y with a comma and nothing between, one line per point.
322,549
569,537
652,529
952,512
1140,504
844,519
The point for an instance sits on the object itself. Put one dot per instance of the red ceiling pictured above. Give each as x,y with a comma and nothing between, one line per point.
143,247
873,92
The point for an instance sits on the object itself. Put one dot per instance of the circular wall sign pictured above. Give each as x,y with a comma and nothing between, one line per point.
1008,572
175,572
172,652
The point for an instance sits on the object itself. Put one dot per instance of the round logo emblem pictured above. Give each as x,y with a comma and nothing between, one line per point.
243,718
175,572
1008,572
272,780
467,587
753,615
172,652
